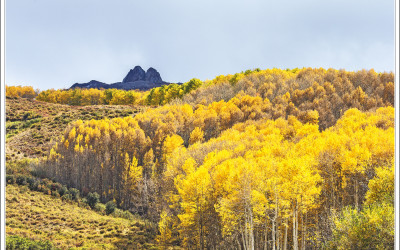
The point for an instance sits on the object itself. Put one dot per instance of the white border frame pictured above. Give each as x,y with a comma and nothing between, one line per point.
3,134
397,114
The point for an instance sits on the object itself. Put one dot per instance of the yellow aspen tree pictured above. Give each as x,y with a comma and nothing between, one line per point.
195,192
197,135
164,239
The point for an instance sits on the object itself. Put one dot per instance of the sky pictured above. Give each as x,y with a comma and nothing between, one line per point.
54,44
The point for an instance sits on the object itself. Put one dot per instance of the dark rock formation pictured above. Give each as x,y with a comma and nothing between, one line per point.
93,84
136,74
136,78
152,75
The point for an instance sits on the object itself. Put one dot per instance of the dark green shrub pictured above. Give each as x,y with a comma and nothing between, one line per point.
10,179
92,199
100,207
83,203
41,187
21,180
30,180
63,190
55,186
47,183
55,193
34,185
74,193
67,197
110,207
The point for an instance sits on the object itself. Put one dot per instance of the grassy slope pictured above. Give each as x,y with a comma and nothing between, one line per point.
38,216
32,126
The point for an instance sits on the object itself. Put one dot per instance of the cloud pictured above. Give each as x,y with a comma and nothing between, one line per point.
53,44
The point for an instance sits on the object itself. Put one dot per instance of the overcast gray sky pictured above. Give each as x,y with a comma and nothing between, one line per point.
55,43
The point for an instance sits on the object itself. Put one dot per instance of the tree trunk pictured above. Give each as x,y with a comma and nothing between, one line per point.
266,235
286,233
295,243
356,194
273,235
278,235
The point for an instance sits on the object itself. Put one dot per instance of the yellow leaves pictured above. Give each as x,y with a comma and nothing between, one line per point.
134,172
228,216
195,192
84,97
20,91
355,159
300,178
148,157
78,123
53,154
187,110
189,166
72,134
259,202
197,135
164,227
196,186
171,143
76,148
381,187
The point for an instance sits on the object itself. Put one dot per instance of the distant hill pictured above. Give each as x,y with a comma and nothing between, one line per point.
136,78
33,125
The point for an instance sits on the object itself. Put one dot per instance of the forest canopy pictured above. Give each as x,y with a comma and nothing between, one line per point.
260,159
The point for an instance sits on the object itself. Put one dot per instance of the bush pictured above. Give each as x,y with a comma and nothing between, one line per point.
21,180
63,190
55,186
118,213
67,197
10,179
100,207
83,203
16,242
30,180
55,193
110,207
34,185
370,228
127,215
43,188
93,199
74,193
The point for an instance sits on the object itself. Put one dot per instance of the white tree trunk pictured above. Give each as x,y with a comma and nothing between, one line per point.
295,228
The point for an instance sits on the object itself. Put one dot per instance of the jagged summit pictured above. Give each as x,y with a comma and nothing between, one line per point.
152,75
135,74
136,78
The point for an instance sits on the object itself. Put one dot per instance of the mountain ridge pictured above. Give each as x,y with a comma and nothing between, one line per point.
136,78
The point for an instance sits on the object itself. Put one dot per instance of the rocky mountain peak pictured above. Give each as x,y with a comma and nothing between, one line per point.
135,74
136,78
153,76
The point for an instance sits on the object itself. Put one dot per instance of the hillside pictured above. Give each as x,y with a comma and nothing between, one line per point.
273,158
33,126
37,216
